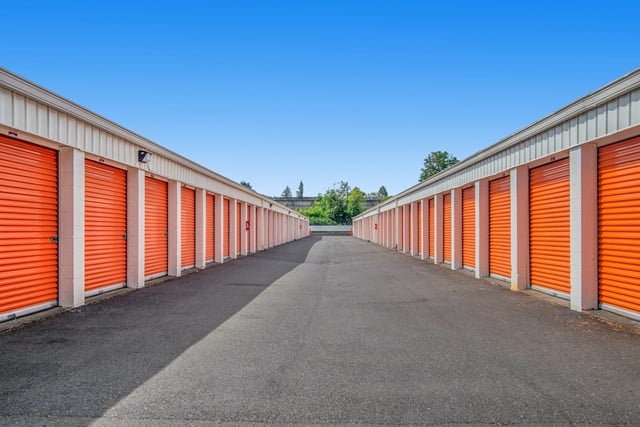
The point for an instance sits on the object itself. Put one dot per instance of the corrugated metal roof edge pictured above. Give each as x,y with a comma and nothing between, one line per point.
47,97
626,83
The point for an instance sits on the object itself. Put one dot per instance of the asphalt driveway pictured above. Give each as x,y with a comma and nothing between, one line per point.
327,330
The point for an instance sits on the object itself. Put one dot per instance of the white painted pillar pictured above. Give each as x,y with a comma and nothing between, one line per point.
482,228
519,184
175,228
71,227
135,227
456,228
438,232
233,233
583,169
201,228
219,231
424,203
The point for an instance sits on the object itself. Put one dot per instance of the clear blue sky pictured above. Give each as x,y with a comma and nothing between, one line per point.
278,91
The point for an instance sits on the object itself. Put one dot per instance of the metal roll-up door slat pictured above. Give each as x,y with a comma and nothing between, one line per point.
156,228
239,234
105,245
432,227
500,228
211,228
410,243
419,223
446,229
227,243
246,232
28,226
619,225
469,227
188,228
549,227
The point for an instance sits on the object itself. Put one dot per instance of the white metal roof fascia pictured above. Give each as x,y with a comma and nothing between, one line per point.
38,93
624,84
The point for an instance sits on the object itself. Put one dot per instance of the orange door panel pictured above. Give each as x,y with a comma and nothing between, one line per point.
227,243
446,228
500,227
247,233
419,224
28,226
188,227
239,233
400,219
156,228
469,227
619,225
211,228
411,245
432,227
549,232
105,225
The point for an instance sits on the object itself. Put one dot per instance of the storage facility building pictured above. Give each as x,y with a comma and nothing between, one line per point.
87,206
554,207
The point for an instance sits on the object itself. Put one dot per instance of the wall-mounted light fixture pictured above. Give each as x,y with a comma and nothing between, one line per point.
144,156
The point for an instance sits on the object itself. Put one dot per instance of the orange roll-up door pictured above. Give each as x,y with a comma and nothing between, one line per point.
619,225
105,225
248,232
188,227
469,227
227,243
500,228
419,223
446,228
28,226
549,232
412,245
211,228
156,228
239,233
432,227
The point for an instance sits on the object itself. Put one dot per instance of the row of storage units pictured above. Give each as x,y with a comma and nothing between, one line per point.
83,211
554,207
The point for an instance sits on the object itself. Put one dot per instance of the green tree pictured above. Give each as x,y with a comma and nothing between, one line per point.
246,184
317,213
382,192
355,202
435,162
286,192
336,206
343,188
300,192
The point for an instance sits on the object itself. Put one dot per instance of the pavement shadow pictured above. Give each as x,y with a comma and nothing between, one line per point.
80,363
